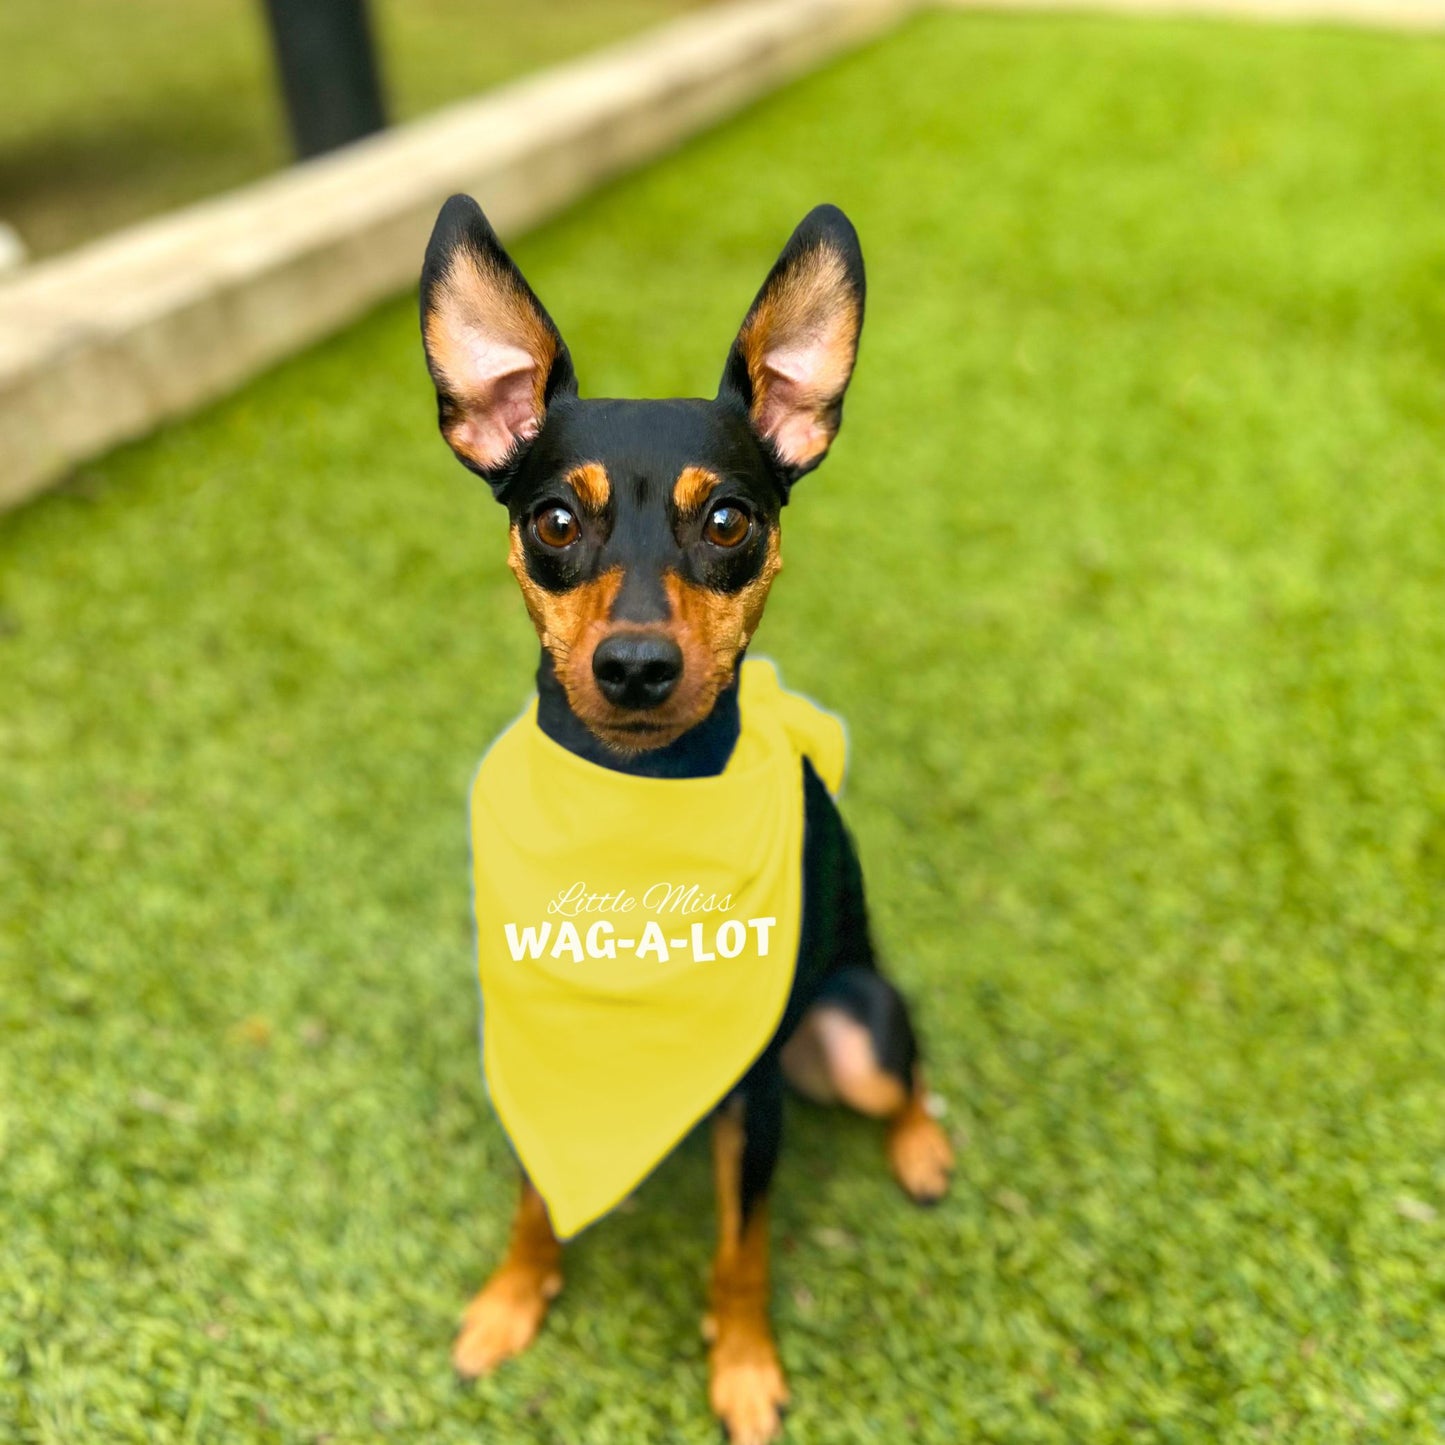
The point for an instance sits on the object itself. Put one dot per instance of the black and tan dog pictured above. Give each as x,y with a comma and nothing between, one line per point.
645,537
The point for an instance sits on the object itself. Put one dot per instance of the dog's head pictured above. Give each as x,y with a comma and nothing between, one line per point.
644,534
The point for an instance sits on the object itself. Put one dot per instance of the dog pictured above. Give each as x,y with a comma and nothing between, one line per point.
644,536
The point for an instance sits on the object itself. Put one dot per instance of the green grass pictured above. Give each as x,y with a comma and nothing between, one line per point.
112,110
1128,572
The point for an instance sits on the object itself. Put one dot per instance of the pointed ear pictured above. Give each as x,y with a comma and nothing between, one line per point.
793,357
493,352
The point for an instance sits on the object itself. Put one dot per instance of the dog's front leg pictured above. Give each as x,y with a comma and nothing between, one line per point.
746,1379
505,1317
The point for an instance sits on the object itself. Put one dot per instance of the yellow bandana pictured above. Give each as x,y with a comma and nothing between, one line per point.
637,939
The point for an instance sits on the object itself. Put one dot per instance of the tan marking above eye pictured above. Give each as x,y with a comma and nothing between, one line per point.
592,485
694,485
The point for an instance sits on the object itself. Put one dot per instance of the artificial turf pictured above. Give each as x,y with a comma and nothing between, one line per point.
1128,572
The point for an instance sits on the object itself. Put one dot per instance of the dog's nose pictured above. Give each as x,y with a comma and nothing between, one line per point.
637,669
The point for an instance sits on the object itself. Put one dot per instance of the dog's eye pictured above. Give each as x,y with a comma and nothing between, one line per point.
556,527
727,526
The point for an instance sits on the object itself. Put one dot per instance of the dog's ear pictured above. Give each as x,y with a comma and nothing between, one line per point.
493,352
791,362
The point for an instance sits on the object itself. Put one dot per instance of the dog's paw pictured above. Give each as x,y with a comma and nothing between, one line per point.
503,1319
920,1156
747,1389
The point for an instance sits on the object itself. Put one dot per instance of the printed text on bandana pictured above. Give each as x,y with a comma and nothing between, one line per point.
653,925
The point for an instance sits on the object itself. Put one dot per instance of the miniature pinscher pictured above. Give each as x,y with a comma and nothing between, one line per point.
645,536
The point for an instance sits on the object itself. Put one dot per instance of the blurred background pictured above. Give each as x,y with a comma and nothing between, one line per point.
1127,572
111,112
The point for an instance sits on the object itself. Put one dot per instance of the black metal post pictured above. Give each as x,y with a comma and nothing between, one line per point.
328,70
